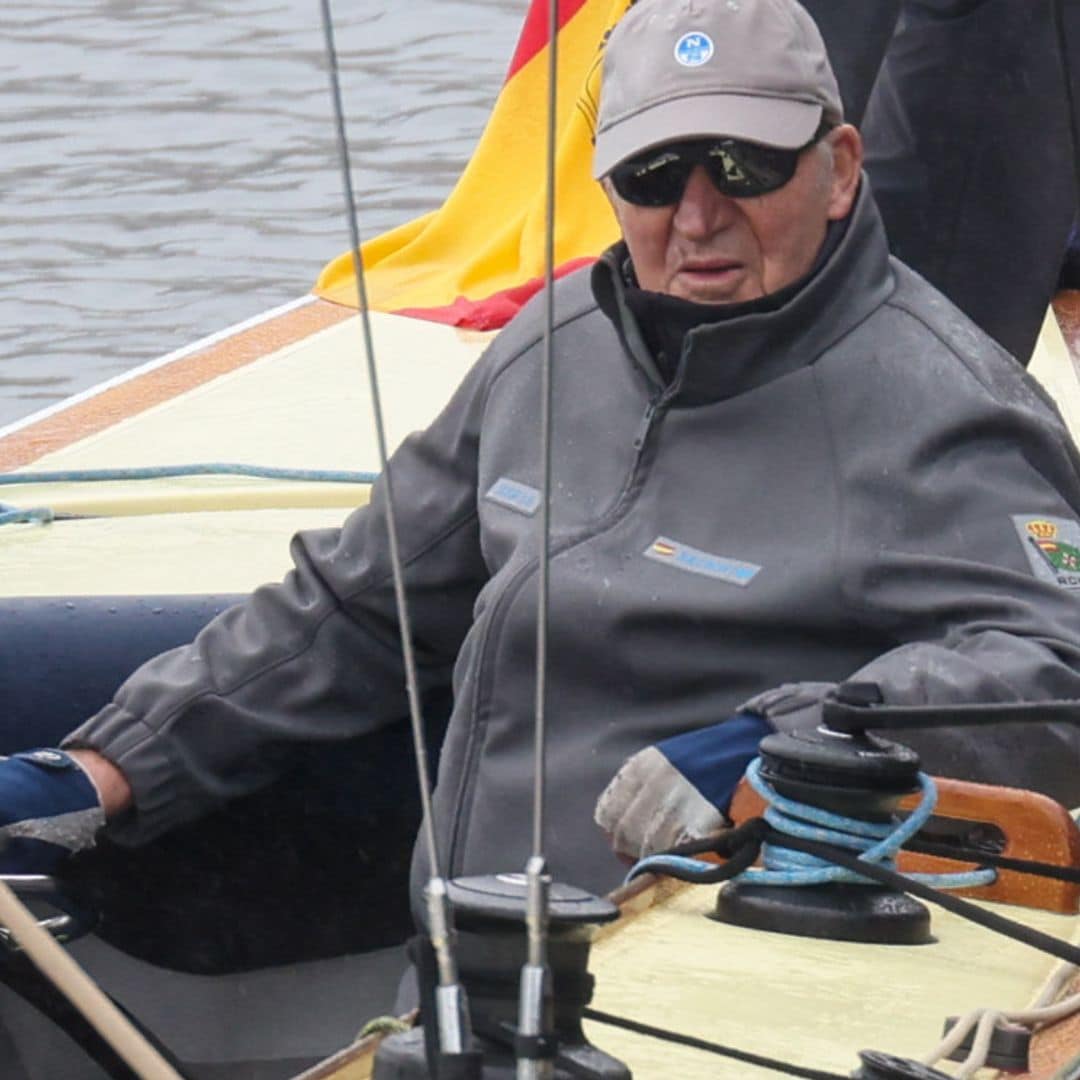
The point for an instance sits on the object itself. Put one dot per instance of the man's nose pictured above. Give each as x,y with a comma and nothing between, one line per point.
703,209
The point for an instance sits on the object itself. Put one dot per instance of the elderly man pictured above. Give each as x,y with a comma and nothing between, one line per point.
782,461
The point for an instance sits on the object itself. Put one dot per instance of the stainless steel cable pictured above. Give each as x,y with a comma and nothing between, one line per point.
540,713
451,1008
535,996
411,682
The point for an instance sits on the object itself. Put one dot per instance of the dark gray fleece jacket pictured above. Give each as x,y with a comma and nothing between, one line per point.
858,484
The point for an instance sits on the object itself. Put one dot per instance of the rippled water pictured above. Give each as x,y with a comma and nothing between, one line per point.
169,168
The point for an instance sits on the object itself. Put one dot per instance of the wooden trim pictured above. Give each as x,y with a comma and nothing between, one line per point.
355,1062
133,396
1055,1049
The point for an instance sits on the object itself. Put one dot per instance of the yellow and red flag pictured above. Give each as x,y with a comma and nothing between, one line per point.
478,258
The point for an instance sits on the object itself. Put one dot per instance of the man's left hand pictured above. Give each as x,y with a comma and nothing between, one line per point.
679,789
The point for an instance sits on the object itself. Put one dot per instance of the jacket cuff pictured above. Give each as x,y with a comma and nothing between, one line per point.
140,754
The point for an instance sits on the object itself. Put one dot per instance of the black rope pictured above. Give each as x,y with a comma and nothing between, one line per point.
744,843
1000,862
744,1056
998,923
740,847
728,843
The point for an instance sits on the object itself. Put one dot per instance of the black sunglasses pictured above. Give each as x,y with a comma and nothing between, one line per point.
738,169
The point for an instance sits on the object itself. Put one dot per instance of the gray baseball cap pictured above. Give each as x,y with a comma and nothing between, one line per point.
683,69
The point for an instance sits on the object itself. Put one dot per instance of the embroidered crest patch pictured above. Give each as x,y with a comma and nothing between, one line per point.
514,496
1052,545
683,557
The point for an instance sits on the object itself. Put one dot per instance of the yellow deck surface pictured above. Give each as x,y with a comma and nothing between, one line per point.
813,1003
303,406
307,405
810,1003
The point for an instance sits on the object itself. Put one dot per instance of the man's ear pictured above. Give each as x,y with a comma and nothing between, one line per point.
847,152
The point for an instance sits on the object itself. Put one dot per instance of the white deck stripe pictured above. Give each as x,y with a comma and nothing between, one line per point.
152,365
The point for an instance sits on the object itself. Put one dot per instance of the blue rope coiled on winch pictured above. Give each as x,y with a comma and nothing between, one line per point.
876,843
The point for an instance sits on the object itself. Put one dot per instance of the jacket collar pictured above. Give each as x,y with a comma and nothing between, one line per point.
726,358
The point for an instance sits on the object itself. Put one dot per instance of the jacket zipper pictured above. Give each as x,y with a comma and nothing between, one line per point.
622,507
646,423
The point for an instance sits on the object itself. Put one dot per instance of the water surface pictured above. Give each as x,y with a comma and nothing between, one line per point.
169,169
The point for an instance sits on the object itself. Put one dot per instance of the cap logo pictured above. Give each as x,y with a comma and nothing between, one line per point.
694,49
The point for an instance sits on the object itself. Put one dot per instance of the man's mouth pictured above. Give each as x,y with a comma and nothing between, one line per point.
709,266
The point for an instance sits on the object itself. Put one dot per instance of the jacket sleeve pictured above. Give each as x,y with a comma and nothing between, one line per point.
316,657
941,504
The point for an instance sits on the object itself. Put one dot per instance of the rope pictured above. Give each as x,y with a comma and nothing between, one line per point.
744,1056
12,515
1046,943
1000,862
876,842
983,1021
157,472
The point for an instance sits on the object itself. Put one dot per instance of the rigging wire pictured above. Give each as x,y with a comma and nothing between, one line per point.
451,1010
535,1000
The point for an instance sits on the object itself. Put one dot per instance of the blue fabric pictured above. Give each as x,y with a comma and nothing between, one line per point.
35,786
714,758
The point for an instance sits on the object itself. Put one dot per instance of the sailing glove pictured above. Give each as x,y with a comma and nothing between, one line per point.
678,789
49,809
681,788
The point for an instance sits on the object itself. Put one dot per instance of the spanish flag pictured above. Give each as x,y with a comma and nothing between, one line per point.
478,258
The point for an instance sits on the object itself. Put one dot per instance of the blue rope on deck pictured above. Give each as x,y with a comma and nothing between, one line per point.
13,515
17,515
876,842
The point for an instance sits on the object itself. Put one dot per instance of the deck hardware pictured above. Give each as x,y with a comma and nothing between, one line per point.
862,777
490,914
73,920
878,1066
1010,1045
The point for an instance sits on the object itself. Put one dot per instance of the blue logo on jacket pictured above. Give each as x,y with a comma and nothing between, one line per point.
683,557
514,496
